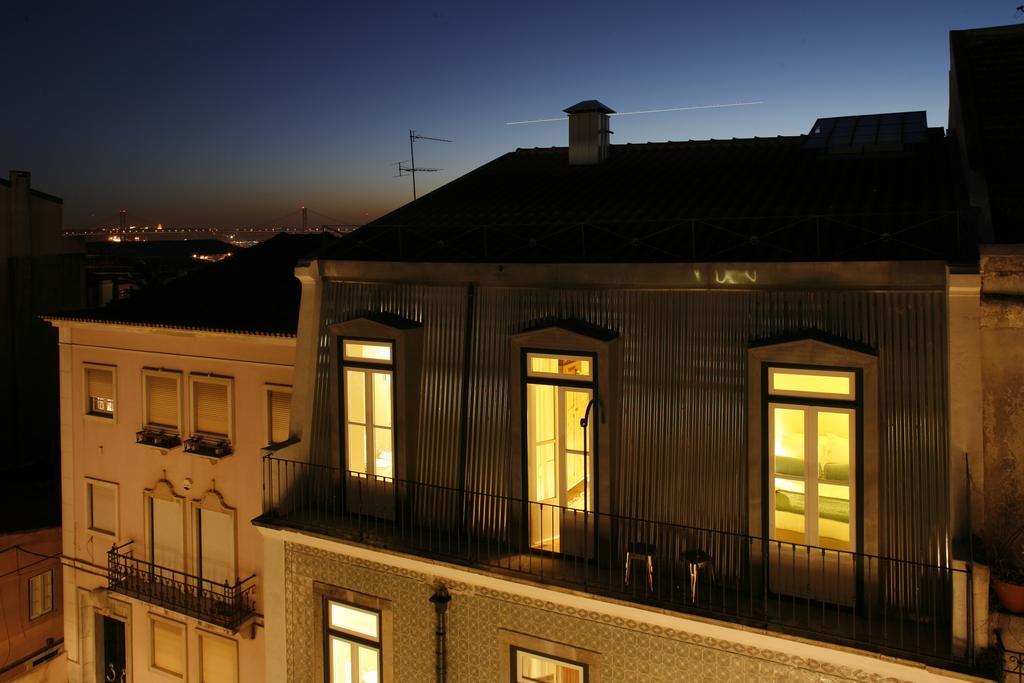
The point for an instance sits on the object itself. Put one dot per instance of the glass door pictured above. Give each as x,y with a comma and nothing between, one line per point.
560,460
812,497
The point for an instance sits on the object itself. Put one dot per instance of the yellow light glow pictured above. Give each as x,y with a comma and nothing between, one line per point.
565,366
370,351
354,620
815,384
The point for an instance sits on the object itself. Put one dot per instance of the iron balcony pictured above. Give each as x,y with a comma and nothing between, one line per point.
881,604
226,605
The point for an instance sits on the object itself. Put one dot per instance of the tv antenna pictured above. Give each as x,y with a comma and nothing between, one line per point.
412,169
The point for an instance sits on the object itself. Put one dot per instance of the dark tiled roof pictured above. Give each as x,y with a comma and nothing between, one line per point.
254,291
989,67
717,200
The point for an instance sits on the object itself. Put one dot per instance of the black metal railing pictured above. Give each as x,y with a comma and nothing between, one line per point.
159,438
878,603
223,604
210,446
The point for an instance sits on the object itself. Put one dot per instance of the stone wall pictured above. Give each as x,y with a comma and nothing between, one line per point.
630,650
1002,350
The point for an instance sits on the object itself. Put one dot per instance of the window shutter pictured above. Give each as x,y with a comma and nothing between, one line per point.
168,644
167,541
162,398
35,596
217,546
103,508
100,383
280,415
211,407
219,660
47,600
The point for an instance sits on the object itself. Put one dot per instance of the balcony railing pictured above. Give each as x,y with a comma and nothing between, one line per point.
211,447
151,436
876,603
225,605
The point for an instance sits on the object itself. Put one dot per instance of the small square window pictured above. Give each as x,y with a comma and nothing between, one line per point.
162,400
218,658
101,507
99,391
167,646
279,405
558,365
211,407
368,351
40,594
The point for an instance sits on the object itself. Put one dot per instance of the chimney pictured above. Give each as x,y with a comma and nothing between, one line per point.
588,132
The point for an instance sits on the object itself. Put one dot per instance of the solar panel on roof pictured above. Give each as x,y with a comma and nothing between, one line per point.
868,132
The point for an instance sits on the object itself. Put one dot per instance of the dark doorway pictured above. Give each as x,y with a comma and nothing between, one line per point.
114,670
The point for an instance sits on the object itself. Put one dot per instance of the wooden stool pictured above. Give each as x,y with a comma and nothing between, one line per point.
641,552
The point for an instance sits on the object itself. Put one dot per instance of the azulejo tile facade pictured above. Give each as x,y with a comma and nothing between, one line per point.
630,650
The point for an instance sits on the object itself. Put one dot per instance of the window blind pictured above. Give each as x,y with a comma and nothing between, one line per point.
167,534
162,401
168,647
280,415
219,659
217,546
211,409
100,383
102,509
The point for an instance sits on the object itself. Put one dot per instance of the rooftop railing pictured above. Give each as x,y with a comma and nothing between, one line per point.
882,604
222,604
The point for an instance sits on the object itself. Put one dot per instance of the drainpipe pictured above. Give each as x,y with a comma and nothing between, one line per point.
467,355
440,600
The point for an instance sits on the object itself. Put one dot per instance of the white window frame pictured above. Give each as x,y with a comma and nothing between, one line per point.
228,382
270,388
153,618
367,367
89,412
204,635
89,528
176,376
48,574
512,642
353,639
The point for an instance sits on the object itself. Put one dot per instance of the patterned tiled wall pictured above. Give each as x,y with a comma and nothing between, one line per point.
631,651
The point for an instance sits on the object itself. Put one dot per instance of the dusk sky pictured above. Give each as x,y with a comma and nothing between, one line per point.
215,115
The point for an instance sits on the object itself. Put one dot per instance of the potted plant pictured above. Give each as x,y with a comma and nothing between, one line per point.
1007,566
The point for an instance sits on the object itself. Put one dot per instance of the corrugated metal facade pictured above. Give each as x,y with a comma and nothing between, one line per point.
683,394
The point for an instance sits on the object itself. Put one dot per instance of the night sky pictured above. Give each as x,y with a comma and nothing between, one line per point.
219,115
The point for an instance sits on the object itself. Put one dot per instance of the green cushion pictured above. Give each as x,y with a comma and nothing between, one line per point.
828,508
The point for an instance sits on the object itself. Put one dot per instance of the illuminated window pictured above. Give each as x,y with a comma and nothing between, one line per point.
218,658
167,646
211,406
101,507
40,595
548,365
354,643
559,450
279,405
162,400
531,667
99,390
811,383
369,408
812,440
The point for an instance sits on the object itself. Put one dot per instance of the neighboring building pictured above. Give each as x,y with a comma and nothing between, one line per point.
555,415
169,399
40,272
986,117
31,607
